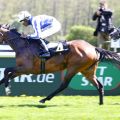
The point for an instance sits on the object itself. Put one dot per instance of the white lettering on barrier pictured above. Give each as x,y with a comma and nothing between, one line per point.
45,78
48,78
41,78
102,69
85,82
1,73
23,78
107,81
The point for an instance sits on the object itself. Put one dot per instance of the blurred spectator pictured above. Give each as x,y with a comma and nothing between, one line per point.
104,24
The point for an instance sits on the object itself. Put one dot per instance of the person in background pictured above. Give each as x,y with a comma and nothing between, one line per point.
104,24
43,26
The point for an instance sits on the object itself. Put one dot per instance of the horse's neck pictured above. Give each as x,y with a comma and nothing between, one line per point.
16,42
34,47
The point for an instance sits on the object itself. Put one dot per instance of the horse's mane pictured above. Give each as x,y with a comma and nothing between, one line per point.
14,30
30,41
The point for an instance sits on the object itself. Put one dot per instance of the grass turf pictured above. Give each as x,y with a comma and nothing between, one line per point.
60,108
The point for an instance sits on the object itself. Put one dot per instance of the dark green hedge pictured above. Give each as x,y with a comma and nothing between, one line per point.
82,32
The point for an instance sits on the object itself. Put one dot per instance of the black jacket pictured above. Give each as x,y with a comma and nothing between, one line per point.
104,23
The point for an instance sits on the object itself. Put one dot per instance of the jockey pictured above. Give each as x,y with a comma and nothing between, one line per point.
43,26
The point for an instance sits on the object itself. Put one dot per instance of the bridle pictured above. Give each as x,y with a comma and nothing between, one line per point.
9,40
1,34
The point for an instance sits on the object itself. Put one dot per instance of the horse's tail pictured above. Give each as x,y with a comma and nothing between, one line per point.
109,56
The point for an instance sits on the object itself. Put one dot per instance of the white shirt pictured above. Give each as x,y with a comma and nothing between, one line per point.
41,24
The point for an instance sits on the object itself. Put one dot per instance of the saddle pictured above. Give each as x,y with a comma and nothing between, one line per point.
57,48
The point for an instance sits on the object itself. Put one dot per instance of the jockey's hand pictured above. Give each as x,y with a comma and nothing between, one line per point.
98,13
23,35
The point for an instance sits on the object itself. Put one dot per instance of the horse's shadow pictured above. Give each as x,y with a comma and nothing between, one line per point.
36,106
32,105
114,104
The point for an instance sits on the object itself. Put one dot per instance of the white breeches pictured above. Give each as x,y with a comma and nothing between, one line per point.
56,26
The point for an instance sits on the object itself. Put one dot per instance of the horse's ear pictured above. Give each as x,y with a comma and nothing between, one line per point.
6,26
1,25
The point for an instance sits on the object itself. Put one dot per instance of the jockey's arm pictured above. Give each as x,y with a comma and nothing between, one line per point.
37,30
95,16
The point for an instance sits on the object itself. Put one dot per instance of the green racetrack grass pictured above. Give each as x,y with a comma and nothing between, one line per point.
60,108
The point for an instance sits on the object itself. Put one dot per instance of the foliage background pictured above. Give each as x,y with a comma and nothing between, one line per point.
68,12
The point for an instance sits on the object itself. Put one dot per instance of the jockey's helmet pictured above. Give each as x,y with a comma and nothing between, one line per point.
24,15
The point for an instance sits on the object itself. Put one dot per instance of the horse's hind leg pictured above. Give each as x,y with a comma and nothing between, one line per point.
70,73
98,85
91,76
101,92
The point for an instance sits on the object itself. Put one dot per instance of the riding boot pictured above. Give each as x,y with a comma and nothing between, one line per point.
46,51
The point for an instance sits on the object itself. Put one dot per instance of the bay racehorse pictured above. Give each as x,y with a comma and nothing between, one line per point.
81,57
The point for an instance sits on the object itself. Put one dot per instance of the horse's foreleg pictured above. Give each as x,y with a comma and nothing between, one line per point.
2,81
63,85
8,74
7,85
11,73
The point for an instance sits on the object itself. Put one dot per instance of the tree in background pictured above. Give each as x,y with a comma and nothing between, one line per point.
68,12
83,33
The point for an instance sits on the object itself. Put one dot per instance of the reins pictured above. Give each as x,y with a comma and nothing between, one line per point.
12,38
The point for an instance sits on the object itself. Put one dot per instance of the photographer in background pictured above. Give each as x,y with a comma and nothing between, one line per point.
104,24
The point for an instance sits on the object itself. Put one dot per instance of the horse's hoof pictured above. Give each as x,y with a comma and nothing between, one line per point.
100,103
42,101
8,91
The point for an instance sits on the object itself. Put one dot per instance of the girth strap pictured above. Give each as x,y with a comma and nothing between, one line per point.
42,67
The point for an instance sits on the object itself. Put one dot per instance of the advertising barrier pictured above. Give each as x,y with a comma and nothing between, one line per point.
43,84
107,74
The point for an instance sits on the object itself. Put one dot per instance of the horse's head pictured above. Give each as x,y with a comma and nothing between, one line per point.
11,37
3,31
